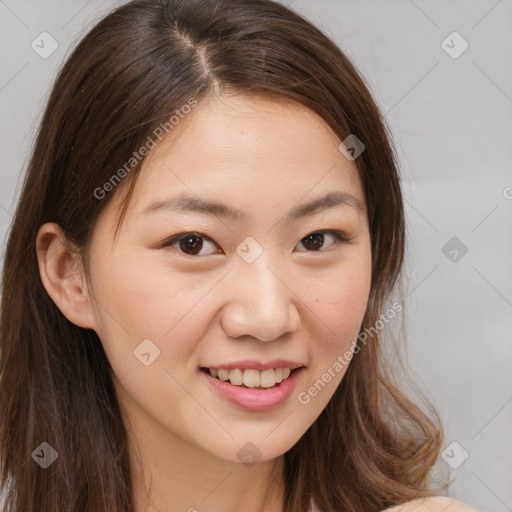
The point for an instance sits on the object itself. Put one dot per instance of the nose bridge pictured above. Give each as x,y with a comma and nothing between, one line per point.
267,288
262,305
258,266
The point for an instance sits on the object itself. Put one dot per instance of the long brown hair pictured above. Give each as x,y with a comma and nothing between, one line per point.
371,447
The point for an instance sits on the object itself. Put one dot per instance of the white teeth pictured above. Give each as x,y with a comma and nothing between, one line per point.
268,378
223,374
236,377
252,378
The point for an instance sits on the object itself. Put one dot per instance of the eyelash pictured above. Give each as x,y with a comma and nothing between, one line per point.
339,235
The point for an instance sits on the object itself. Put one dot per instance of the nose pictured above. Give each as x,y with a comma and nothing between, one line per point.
261,304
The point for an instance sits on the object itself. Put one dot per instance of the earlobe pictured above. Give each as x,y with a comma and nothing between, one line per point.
62,275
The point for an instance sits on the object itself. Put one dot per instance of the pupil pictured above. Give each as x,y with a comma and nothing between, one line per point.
187,244
193,243
316,237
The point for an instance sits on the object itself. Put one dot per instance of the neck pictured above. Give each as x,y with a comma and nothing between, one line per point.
173,479
170,474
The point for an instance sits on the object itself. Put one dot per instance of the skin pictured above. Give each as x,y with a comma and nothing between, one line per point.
296,300
434,504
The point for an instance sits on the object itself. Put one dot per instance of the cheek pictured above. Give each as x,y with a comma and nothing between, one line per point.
342,295
150,302
338,311
144,299
139,301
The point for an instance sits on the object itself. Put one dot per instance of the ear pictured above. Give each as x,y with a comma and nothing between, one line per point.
63,276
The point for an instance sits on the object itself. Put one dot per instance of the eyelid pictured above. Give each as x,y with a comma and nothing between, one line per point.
340,236
176,238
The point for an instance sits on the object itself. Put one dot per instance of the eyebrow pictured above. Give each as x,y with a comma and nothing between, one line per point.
196,205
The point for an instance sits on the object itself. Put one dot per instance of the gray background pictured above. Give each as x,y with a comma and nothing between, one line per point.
452,123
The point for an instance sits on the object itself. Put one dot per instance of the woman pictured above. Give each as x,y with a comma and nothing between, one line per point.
197,274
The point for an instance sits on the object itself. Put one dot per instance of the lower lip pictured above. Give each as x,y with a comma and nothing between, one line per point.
255,399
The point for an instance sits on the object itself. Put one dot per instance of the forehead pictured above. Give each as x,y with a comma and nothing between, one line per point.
253,130
247,150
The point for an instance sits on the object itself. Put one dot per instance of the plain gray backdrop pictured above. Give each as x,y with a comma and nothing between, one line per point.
447,98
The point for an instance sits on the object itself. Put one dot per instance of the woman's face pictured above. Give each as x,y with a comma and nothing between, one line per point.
268,287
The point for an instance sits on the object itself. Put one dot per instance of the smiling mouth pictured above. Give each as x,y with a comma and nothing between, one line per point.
251,378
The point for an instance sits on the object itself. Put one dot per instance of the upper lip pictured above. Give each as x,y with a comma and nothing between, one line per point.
257,365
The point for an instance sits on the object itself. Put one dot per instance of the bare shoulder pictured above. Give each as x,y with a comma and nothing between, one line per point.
433,504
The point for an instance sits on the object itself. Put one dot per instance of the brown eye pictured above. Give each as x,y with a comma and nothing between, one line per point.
190,243
314,241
